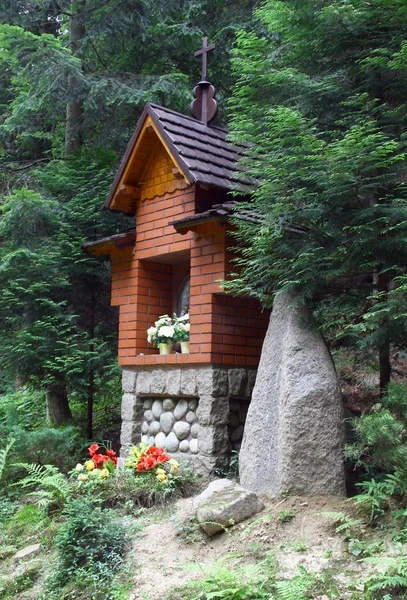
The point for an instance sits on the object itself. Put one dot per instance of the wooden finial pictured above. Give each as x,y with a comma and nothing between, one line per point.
204,107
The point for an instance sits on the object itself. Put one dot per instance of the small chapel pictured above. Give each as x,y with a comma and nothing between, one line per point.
175,180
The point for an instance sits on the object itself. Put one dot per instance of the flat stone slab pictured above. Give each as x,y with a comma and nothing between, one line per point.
225,503
27,551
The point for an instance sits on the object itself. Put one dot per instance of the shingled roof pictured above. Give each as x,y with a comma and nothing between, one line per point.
202,151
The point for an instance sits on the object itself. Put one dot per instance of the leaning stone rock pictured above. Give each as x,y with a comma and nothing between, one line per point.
171,442
157,408
159,440
167,421
27,551
181,409
225,503
293,434
168,404
182,429
184,446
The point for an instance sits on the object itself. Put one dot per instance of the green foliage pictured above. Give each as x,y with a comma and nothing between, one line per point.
46,484
345,523
389,577
381,445
90,543
252,582
296,588
60,447
319,94
285,516
4,452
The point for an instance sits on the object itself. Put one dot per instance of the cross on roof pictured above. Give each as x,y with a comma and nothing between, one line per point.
204,51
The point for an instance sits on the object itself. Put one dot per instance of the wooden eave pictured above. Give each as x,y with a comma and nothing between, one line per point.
107,244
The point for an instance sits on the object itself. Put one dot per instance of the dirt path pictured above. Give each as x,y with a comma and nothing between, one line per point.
175,544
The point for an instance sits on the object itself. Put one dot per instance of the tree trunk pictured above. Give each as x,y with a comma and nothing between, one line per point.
58,411
74,107
91,380
19,381
384,347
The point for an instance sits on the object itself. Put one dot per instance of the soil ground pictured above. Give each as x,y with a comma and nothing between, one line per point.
183,550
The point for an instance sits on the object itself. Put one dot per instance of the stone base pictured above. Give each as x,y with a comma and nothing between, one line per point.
193,413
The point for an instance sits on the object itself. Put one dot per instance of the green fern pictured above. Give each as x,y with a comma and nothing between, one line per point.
4,452
296,588
346,522
50,485
392,575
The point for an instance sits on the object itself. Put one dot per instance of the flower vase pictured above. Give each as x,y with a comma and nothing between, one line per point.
184,347
165,348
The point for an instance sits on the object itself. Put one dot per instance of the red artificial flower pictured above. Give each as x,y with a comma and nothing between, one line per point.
158,454
93,449
105,458
146,463
111,453
114,459
97,459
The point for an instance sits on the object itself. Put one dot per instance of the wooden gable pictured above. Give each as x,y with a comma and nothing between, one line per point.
150,170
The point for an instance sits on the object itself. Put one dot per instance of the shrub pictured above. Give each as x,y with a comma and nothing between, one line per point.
90,542
60,447
381,445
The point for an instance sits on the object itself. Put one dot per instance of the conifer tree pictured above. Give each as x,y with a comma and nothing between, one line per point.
321,93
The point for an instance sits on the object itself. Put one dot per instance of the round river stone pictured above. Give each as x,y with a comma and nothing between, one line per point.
160,440
147,403
193,446
154,428
182,429
167,421
184,446
195,430
157,408
181,409
191,417
148,415
144,427
171,442
193,404
168,404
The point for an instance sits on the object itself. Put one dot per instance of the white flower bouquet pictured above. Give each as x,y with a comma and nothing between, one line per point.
163,331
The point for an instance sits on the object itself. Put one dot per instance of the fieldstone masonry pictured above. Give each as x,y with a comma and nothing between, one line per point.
195,414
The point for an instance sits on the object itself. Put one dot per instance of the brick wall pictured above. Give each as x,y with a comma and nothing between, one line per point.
146,278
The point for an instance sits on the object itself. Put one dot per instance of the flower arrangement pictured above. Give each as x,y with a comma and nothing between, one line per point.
145,459
99,464
162,332
181,327
169,330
